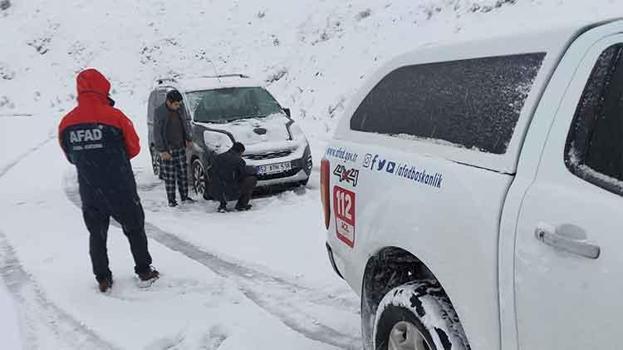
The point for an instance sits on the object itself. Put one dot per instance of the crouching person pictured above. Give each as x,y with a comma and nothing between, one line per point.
231,179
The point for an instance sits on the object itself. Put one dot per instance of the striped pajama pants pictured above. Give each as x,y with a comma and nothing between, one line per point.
174,169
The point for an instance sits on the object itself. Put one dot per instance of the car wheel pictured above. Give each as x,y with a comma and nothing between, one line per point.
418,316
303,183
198,177
155,163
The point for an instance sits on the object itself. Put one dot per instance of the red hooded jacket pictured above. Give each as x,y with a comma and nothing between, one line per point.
93,108
100,140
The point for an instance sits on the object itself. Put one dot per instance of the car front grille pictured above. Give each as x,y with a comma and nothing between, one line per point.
268,155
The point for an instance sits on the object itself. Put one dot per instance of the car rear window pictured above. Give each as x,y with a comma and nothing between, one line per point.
472,103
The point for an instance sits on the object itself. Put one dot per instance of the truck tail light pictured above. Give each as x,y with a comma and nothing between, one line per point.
324,190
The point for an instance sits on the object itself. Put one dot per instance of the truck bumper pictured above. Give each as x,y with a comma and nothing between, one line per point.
332,260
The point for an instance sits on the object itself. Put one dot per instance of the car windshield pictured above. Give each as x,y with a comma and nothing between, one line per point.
224,105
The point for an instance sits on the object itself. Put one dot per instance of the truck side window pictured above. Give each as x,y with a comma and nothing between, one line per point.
472,103
594,149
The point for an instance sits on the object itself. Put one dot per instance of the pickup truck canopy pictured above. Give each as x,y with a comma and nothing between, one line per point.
547,46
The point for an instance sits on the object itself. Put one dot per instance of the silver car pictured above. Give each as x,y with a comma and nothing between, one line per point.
232,108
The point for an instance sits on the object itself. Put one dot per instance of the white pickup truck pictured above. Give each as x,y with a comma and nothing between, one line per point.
472,194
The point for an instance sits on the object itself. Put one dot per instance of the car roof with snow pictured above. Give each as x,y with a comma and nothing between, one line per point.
209,82
552,42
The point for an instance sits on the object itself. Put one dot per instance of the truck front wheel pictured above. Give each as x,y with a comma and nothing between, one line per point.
418,316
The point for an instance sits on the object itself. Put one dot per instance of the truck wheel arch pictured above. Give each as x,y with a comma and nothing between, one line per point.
388,268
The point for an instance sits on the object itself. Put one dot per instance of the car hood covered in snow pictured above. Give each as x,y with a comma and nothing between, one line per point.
259,134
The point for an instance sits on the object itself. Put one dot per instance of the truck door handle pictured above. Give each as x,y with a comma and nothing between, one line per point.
567,244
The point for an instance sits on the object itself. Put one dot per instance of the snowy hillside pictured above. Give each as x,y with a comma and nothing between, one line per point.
257,280
313,54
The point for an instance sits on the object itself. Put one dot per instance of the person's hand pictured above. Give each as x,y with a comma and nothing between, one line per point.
165,156
189,144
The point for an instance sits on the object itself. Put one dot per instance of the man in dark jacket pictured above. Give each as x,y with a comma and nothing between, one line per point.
100,141
231,179
172,134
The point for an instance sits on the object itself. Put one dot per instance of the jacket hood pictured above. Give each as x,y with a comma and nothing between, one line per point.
92,81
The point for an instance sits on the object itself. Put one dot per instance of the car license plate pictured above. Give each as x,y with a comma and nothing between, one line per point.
269,169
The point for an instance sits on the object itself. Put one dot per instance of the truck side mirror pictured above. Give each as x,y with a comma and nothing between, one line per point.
287,111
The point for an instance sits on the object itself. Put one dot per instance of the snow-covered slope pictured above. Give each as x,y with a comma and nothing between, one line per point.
312,53
240,281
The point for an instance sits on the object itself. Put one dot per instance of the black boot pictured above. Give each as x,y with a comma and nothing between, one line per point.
105,284
243,207
222,208
148,275
188,200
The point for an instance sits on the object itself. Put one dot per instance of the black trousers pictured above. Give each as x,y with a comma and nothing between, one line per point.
247,185
132,219
246,190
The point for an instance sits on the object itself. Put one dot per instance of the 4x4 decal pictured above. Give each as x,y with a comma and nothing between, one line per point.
346,175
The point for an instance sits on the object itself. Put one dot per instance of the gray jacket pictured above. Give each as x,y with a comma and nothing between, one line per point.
161,121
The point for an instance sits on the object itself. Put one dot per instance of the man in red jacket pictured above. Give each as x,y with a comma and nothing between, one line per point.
100,141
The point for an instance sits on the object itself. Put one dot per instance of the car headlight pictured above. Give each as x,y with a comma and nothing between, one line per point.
296,132
216,141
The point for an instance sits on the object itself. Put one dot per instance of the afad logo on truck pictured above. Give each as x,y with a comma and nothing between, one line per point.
376,163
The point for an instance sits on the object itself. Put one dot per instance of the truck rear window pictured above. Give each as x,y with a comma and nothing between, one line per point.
471,103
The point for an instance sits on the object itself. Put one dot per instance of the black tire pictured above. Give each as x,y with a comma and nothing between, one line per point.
422,314
198,177
155,163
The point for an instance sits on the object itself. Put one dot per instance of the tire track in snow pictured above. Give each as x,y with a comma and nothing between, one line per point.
281,298
284,299
5,168
39,312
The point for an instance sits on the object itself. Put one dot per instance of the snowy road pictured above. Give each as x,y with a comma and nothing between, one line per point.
47,325
233,281
306,310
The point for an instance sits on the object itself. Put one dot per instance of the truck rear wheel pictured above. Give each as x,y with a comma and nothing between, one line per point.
418,316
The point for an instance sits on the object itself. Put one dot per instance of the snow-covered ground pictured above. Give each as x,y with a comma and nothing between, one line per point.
9,322
254,280
228,281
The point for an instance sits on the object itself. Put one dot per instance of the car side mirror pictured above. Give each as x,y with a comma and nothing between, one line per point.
287,110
